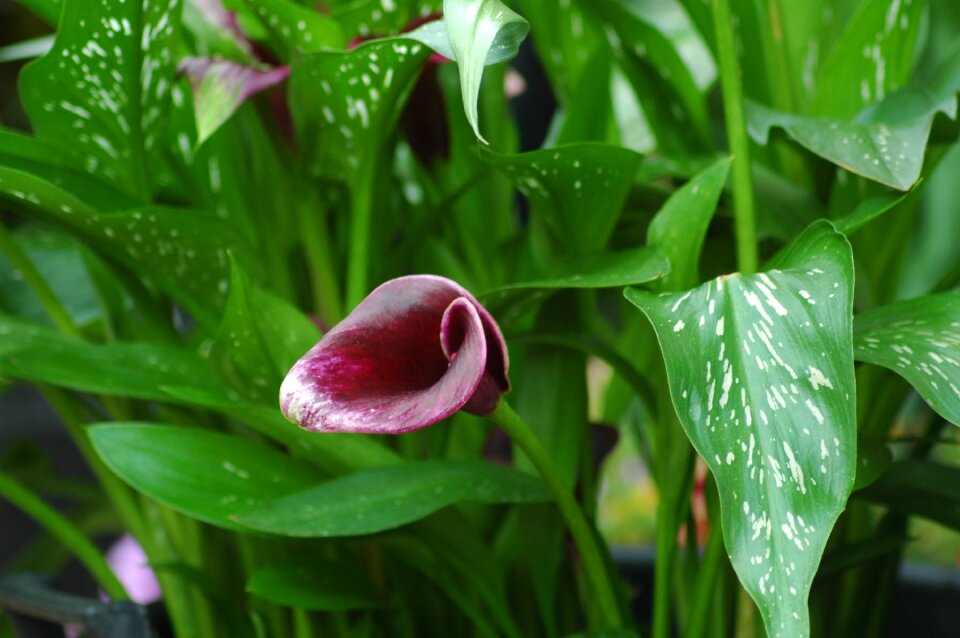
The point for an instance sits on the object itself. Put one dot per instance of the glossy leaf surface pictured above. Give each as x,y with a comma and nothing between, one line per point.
680,226
919,339
203,474
385,498
578,189
183,251
345,104
260,337
136,370
760,369
99,94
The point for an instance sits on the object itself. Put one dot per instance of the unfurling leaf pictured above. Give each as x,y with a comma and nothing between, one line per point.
480,30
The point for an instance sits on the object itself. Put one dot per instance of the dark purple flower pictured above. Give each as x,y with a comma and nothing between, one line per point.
415,351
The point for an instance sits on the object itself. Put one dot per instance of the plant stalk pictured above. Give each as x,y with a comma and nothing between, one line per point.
361,222
64,531
583,535
703,595
743,203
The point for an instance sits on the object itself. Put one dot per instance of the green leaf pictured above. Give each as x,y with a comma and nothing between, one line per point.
135,370
294,28
603,270
345,104
579,190
866,211
260,338
315,585
335,453
891,155
680,226
919,339
101,92
646,45
478,30
923,488
871,59
760,369
59,261
184,252
30,155
205,475
385,498
371,18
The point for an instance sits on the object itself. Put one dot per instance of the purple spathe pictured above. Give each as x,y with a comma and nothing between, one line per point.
415,351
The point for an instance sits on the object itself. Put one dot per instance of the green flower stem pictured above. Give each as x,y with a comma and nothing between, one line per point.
705,589
743,205
583,535
58,313
316,245
361,220
65,532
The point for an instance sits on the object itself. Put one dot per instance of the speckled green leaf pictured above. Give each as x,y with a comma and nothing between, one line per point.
761,375
30,155
579,190
919,339
260,337
478,29
203,474
385,498
136,370
184,252
373,18
345,103
680,226
891,154
294,28
871,59
101,93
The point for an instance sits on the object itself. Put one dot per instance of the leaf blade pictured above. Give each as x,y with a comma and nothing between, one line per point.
784,477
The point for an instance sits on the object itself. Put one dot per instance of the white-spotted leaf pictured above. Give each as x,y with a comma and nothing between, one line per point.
761,375
479,29
919,339
184,252
101,92
578,189
345,103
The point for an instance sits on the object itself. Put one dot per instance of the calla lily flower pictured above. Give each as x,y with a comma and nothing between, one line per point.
415,351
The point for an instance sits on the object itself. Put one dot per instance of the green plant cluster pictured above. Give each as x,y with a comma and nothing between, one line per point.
746,212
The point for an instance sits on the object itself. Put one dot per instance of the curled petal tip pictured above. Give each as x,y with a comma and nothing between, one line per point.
415,351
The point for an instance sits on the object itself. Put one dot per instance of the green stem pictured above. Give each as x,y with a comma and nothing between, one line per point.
358,257
58,313
743,206
704,593
64,531
323,281
583,535
746,620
